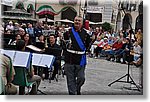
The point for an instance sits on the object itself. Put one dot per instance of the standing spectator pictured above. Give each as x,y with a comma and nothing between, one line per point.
16,28
97,32
30,31
10,26
75,56
38,29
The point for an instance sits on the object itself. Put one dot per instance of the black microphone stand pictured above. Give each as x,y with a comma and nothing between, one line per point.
129,78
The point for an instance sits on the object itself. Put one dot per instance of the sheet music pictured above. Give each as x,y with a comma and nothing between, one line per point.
36,58
21,59
46,60
42,60
9,53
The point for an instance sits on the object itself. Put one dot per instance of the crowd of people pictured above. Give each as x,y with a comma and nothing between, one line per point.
118,46
124,47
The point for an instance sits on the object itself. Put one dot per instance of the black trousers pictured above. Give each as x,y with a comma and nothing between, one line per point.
75,78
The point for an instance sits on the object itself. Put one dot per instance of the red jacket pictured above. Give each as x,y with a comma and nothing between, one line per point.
117,45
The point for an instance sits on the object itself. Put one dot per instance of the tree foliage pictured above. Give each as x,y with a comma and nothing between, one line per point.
106,26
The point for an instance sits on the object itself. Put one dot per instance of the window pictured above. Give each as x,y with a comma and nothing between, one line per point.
93,2
68,2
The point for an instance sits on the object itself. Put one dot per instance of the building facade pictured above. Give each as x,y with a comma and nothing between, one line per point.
58,9
97,11
129,12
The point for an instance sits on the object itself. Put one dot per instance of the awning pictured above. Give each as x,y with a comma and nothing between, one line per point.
95,23
18,18
18,11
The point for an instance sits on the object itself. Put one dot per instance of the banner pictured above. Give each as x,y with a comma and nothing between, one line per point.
95,9
46,9
48,32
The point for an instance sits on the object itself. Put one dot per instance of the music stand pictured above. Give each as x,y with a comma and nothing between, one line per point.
128,73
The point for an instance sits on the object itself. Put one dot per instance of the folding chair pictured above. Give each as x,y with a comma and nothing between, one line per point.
20,78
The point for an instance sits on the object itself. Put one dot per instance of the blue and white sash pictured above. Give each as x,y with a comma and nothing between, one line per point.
82,47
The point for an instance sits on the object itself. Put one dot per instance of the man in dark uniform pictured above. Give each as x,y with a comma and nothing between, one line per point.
75,56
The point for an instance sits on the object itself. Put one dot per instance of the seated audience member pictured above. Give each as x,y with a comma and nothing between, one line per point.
22,32
20,46
17,37
8,32
7,73
27,39
110,41
139,61
100,46
137,50
41,42
139,37
94,45
121,53
115,47
53,49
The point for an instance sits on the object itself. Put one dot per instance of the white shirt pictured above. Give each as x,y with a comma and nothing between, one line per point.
9,27
137,50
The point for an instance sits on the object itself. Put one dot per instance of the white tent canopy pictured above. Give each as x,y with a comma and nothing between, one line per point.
94,23
65,20
44,19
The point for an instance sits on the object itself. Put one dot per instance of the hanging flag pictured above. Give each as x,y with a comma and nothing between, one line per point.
46,9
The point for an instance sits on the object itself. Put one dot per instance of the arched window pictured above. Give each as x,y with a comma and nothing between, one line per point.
118,22
68,14
140,8
126,20
19,5
139,22
68,2
30,8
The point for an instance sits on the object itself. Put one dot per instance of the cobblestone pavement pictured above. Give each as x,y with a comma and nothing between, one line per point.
99,73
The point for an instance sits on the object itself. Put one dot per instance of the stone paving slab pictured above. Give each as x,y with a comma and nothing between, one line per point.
99,73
